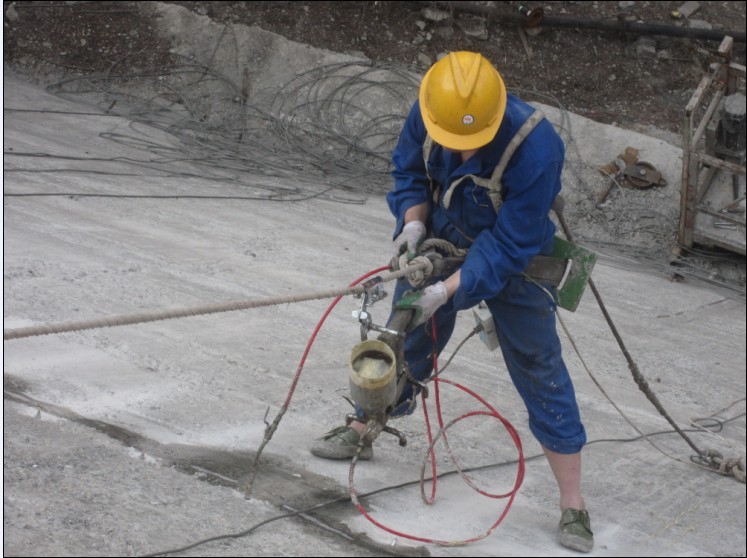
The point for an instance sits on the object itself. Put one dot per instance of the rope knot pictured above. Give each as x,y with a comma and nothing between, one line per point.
420,276
731,466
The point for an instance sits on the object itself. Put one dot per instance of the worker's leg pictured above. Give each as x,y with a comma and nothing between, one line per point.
341,443
566,467
418,348
524,316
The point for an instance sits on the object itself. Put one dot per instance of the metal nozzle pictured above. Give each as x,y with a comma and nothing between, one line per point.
373,377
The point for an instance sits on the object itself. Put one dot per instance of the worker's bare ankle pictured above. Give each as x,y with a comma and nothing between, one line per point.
358,426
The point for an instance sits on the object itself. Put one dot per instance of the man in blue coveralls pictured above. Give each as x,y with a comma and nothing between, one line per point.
482,191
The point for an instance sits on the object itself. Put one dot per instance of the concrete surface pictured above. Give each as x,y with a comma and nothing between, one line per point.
129,440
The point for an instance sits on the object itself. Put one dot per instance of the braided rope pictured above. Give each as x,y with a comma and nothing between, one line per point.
444,246
65,327
420,268
729,466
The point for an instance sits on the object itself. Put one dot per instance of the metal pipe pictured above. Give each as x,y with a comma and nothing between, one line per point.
527,18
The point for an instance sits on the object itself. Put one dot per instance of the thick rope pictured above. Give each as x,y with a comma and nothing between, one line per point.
420,268
727,466
444,246
420,276
710,459
418,272
196,311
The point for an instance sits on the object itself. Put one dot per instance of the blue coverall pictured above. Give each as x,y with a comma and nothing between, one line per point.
500,247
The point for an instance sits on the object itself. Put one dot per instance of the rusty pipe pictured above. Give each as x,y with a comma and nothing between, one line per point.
527,17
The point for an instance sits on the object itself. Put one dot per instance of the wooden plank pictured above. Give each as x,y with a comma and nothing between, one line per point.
698,94
720,163
707,116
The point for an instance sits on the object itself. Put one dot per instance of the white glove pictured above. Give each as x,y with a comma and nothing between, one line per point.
424,303
408,241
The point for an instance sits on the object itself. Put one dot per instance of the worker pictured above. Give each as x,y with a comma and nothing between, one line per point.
478,167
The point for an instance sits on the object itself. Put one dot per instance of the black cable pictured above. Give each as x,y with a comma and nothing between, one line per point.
405,485
471,334
314,128
241,533
64,112
299,141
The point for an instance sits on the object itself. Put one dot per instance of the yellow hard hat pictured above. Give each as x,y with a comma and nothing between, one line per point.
462,101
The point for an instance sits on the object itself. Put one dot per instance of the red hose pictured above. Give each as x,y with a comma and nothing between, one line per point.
316,331
431,455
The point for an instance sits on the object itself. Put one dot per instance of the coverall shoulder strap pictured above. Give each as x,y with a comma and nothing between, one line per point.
427,147
495,184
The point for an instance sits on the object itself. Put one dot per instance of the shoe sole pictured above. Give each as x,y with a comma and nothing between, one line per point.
575,542
326,452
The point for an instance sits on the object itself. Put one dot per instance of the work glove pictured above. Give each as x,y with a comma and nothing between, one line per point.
424,302
407,242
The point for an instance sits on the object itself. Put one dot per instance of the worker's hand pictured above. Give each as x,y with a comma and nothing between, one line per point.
424,302
407,242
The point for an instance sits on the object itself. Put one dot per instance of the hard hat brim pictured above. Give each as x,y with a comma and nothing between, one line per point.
461,142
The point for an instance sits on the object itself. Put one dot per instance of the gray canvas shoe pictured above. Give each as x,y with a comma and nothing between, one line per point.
574,530
340,443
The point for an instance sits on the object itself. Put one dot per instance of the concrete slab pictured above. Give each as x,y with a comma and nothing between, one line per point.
100,425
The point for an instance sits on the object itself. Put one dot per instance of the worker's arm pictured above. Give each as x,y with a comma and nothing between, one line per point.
417,213
412,234
409,199
425,302
522,228
452,283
